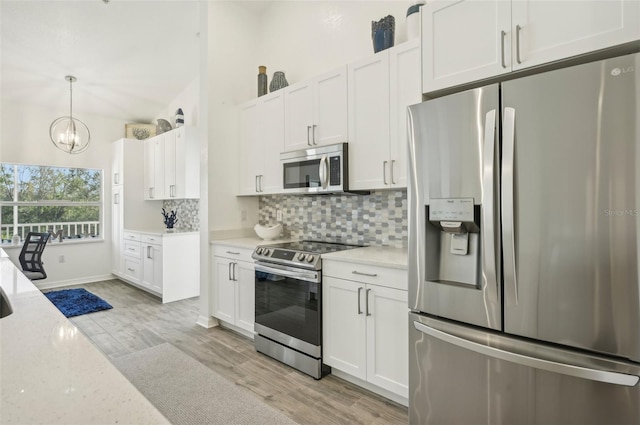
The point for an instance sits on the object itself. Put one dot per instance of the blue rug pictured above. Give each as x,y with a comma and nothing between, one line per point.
75,302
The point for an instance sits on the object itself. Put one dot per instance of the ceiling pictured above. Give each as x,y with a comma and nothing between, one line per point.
131,58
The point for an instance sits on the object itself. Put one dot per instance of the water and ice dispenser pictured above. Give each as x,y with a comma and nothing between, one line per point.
453,241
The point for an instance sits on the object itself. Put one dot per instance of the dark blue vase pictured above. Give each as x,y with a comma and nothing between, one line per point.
382,39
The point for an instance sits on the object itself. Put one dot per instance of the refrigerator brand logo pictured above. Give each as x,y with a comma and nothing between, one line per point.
621,213
617,71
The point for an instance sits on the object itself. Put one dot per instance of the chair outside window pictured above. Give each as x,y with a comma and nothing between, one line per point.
31,255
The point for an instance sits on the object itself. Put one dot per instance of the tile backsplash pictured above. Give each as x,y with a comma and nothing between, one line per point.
377,219
187,213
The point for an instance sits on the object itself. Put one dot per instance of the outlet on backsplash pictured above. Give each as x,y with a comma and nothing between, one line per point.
279,215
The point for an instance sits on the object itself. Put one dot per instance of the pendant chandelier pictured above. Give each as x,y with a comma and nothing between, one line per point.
67,133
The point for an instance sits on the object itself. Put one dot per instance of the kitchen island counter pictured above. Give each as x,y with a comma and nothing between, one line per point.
51,373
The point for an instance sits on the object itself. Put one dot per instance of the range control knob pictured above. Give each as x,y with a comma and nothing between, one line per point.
310,258
301,257
259,251
266,251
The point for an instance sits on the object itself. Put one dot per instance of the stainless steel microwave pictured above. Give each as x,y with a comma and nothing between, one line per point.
321,169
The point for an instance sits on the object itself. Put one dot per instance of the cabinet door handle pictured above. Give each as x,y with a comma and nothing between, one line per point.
384,172
116,178
149,252
366,304
502,35
230,278
393,181
260,183
234,272
364,274
257,184
518,28
308,140
150,192
313,134
359,309
116,198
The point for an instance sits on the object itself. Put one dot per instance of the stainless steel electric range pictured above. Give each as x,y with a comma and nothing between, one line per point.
288,302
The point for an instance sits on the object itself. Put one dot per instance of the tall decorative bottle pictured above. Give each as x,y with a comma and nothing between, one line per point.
262,80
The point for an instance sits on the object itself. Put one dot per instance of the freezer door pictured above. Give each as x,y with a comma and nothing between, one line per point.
571,206
453,151
461,375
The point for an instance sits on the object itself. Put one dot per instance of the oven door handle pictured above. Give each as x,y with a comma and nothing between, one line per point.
292,272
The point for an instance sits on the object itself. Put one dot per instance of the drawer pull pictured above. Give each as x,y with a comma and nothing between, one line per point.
364,274
233,253
130,269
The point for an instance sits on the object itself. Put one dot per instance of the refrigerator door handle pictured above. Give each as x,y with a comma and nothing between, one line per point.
488,205
537,363
508,208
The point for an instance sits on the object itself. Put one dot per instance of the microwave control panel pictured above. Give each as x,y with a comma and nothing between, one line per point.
335,171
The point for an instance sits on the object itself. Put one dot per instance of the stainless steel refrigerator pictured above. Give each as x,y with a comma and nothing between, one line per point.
524,250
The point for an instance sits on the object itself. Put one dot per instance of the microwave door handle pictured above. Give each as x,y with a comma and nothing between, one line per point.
324,172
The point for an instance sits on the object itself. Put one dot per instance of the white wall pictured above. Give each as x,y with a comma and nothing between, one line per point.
307,38
232,79
188,100
24,138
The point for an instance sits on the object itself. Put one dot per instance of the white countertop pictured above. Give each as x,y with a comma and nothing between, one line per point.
374,255
51,373
162,232
246,242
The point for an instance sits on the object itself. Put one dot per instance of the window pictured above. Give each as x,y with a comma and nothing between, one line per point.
36,198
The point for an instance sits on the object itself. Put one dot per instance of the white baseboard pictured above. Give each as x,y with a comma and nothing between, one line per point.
207,322
80,281
236,329
373,388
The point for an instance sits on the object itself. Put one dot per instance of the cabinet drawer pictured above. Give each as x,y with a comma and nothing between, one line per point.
383,276
131,236
233,252
152,239
133,269
132,249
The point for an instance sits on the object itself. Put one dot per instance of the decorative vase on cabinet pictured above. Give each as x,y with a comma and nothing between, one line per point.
278,81
262,80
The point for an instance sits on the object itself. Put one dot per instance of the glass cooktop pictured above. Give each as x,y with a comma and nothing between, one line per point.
316,247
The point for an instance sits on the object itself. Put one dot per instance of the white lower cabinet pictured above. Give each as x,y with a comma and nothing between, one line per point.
365,324
167,265
233,291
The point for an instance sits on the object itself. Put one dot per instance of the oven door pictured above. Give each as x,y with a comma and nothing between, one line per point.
288,306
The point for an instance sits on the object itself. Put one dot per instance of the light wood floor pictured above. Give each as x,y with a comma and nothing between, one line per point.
139,320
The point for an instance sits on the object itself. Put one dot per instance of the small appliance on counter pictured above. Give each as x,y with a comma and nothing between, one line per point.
288,303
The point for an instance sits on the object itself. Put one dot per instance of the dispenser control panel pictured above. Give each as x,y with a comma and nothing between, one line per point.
451,209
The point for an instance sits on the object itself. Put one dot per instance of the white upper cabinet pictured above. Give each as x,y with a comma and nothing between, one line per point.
369,122
172,165
464,40
380,89
181,164
316,111
404,90
546,31
261,141
154,168
467,40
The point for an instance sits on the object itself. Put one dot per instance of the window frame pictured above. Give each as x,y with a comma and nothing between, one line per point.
52,203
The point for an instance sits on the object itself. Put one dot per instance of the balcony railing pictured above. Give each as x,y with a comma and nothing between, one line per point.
69,229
